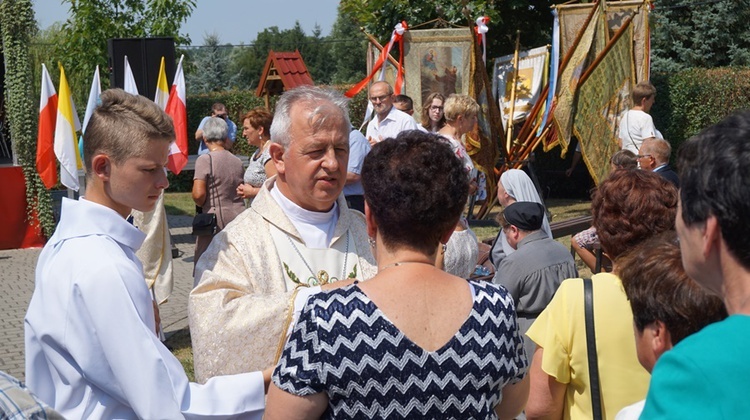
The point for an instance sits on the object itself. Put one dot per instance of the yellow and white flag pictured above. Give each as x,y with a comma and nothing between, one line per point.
65,135
531,79
162,87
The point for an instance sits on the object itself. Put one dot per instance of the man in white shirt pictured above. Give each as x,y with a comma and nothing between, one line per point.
388,121
297,236
90,331
637,125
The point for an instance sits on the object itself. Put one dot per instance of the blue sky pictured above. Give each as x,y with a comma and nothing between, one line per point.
235,21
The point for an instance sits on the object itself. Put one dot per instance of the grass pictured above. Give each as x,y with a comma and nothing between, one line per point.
179,204
182,348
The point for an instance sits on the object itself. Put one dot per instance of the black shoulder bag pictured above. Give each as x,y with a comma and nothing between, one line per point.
588,299
204,224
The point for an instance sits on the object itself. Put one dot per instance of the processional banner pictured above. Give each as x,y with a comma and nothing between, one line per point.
603,97
531,79
570,75
450,61
572,18
437,60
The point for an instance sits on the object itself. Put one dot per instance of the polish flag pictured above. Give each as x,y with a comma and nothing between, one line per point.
65,135
45,153
178,150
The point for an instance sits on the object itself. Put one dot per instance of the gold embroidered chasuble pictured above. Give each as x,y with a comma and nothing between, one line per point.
247,274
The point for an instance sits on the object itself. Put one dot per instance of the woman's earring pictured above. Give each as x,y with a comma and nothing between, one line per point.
371,240
445,246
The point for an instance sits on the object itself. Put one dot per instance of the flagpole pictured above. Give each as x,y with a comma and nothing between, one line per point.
509,130
377,45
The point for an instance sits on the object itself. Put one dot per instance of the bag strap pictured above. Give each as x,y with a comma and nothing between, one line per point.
627,115
216,192
588,299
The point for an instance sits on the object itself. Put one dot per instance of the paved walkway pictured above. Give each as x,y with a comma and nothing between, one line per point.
17,284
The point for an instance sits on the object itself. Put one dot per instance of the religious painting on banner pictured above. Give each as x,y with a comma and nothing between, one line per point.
437,60
532,66
603,97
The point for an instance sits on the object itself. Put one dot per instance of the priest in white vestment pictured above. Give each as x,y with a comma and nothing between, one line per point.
298,235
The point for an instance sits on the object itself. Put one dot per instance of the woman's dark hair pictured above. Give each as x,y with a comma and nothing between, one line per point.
659,289
630,207
416,189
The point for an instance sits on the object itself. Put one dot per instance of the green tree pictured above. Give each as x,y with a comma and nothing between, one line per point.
314,50
211,70
531,17
714,34
348,50
17,26
93,22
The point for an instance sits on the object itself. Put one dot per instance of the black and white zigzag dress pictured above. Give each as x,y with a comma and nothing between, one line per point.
345,346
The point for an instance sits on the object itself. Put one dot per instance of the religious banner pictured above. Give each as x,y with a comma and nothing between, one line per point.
603,97
531,78
570,75
572,17
482,140
437,60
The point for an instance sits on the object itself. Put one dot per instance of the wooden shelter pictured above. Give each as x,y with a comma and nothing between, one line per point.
283,71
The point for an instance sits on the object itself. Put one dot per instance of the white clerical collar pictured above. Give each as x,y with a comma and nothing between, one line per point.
315,228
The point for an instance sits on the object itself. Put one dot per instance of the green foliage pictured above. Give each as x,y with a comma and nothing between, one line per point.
691,100
714,34
211,68
531,17
348,50
17,25
313,48
93,22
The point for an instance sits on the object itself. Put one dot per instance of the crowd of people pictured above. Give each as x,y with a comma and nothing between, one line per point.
335,283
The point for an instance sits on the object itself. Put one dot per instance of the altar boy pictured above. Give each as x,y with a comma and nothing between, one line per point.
91,345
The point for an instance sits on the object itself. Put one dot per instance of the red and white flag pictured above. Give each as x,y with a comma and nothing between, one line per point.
178,150
45,140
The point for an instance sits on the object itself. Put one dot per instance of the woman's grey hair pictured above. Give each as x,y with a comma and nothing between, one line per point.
215,129
328,108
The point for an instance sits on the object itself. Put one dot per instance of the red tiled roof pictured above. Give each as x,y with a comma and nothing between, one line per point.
287,70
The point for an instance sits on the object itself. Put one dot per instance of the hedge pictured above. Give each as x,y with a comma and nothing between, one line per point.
691,100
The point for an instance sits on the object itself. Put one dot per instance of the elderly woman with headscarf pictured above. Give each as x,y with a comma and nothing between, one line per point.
514,186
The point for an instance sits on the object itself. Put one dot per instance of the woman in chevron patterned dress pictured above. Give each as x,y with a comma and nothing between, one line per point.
414,341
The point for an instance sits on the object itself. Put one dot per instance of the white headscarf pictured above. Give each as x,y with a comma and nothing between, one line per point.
519,186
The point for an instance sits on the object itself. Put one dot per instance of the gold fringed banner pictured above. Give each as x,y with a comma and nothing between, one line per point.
482,141
602,98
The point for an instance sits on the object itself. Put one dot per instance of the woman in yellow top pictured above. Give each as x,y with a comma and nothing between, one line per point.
628,208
